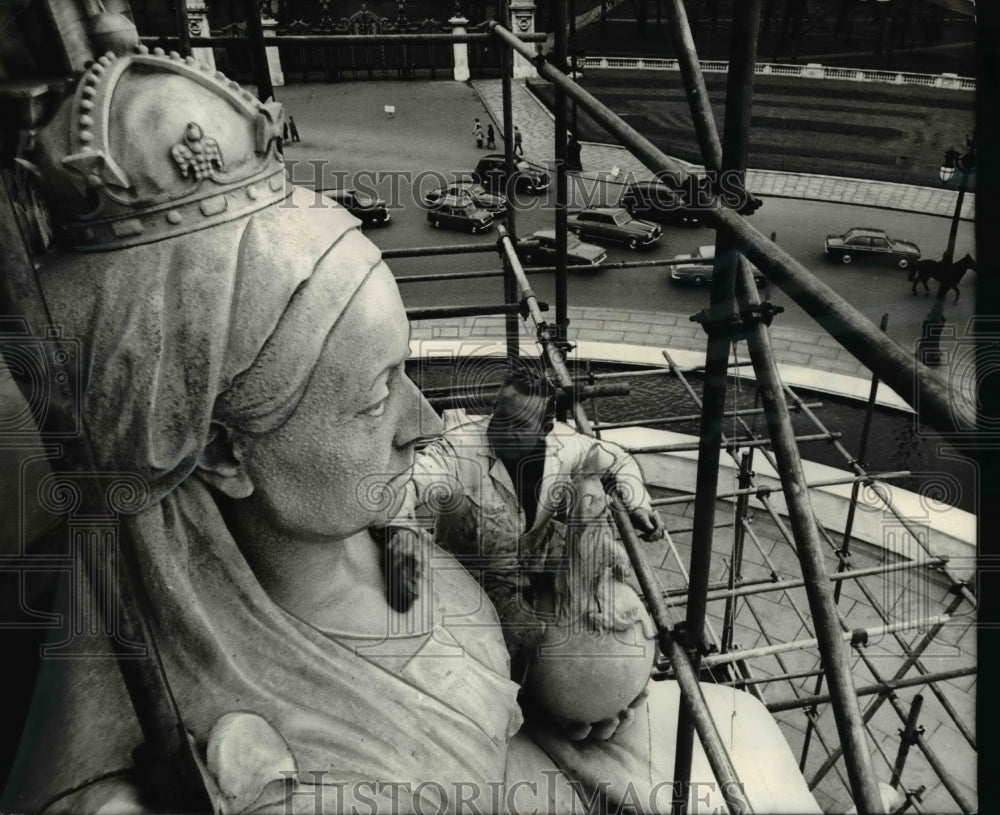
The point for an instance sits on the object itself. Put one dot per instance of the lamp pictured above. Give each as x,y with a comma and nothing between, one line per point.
947,170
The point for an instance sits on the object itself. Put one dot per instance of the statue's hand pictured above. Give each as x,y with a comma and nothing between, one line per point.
647,523
605,729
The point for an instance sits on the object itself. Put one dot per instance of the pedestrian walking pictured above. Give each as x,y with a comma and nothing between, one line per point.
284,132
491,137
518,147
477,131
292,129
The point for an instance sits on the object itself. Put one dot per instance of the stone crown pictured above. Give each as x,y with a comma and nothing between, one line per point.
151,146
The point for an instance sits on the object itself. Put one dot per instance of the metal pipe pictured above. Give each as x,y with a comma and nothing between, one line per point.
346,39
476,399
830,482
949,783
512,328
811,642
873,708
437,312
736,562
562,185
258,51
729,443
885,687
922,387
426,251
847,713
689,417
862,452
694,85
183,28
692,698
906,740
905,646
907,523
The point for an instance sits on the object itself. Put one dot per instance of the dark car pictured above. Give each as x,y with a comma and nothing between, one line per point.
655,201
459,213
491,172
697,270
578,253
864,242
368,209
474,192
613,224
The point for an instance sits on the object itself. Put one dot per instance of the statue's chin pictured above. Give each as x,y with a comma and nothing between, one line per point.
579,674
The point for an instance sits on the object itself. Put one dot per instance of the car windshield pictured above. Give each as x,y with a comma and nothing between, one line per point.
363,200
622,218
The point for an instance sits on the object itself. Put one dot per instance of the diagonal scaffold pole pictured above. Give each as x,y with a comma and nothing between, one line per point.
686,676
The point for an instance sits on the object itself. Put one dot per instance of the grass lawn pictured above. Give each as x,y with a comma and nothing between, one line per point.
826,127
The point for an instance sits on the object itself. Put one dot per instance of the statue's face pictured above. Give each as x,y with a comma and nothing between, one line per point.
322,473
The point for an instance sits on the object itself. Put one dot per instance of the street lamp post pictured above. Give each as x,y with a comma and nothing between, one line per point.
933,325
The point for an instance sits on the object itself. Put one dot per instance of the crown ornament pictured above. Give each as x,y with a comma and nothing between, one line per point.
151,146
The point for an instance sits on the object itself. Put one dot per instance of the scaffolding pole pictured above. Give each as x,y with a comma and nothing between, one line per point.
765,491
562,183
881,688
512,326
686,676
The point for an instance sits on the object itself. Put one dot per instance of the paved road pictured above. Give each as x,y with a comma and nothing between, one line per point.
430,137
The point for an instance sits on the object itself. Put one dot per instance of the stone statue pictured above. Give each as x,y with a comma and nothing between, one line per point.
245,357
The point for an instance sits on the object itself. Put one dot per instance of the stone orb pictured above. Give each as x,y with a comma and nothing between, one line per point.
580,674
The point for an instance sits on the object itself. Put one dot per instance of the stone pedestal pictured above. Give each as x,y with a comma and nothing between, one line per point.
460,49
197,13
522,21
273,57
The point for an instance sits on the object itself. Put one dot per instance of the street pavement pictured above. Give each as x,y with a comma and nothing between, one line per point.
345,130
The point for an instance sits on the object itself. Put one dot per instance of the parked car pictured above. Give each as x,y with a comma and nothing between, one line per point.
578,253
864,242
474,192
697,271
459,213
613,224
655,201
491,172
369,209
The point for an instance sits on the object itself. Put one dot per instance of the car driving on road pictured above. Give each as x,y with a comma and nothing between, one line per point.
696,270
369,209
578,253
474,192
861,242
655,201
459,213
613,224
491,172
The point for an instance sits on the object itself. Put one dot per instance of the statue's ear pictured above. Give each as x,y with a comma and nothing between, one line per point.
221,465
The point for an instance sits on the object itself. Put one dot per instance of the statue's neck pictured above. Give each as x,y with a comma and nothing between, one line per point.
334,585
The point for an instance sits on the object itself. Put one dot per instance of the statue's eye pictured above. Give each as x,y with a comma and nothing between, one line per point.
377,409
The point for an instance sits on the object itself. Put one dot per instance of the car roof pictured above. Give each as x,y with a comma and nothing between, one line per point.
607,210
455,201
867,230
